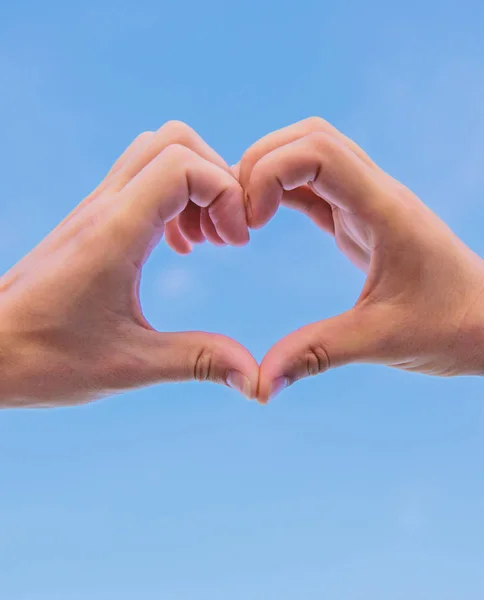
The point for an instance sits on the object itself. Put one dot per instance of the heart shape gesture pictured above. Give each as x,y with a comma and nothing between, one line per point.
71,325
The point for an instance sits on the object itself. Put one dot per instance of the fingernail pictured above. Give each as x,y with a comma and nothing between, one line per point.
239,382
278,385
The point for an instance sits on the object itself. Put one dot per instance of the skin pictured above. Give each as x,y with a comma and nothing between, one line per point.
71,325
419,309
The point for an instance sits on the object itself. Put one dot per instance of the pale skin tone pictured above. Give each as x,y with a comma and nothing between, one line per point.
71,326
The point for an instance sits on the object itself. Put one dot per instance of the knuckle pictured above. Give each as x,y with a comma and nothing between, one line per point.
208,358
203,367
144,136
323,144
319,139
178,131
317,360
315,123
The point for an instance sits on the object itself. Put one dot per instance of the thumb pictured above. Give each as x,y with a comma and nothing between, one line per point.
315,348
197,355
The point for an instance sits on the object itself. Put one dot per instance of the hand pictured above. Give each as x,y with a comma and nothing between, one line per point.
420,307
71,325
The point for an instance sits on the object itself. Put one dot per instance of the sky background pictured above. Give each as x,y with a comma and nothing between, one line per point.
363,483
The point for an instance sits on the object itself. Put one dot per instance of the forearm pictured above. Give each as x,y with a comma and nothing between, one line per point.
471,336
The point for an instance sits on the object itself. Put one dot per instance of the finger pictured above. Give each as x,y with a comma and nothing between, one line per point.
194,355
138,155
162,190
334,172
304,200
136,145
171,133
175,239
229,219
290,134
141,152
351,337
208,228
189,224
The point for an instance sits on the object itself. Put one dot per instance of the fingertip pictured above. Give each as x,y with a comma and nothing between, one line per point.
235,169
184,251
262,401
180,246
241,240
278,386
262,198
228,217
273,389
175,239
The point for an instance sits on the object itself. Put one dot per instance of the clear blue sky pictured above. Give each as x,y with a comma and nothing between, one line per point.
360,484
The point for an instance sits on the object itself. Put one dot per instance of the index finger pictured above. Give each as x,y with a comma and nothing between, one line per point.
162,190
290,134
334,172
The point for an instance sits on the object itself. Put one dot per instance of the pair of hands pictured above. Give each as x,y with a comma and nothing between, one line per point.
71,325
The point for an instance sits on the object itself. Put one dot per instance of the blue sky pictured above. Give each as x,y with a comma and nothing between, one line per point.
362,483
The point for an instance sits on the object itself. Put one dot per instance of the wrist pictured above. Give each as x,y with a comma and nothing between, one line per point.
471,337
17,357
10,370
